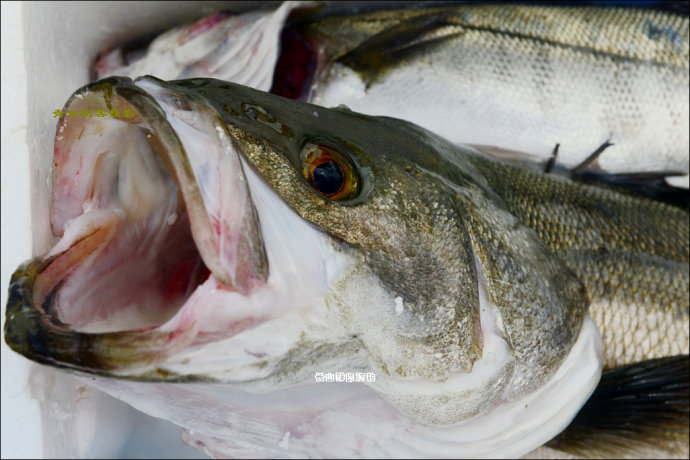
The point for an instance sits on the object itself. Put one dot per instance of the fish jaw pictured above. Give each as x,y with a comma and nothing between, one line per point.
154,212
353,421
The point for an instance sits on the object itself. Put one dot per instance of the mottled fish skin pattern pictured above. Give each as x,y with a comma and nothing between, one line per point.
445,204
631,253
628,256
523,78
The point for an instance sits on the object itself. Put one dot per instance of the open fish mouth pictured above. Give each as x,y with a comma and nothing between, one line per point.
149,206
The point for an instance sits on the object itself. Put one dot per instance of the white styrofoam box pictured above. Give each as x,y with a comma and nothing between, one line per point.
47,49
20,415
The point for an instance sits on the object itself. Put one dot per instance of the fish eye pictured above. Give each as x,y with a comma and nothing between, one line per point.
331,173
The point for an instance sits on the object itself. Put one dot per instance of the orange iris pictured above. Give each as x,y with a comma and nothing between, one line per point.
329,172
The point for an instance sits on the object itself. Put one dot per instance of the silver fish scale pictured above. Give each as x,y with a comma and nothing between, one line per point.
526,79
638,282
635,34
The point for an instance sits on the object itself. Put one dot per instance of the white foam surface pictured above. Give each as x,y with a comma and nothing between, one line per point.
21,430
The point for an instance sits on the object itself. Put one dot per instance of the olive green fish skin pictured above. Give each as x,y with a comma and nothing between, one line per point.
631,253
421,208
396,250
602,30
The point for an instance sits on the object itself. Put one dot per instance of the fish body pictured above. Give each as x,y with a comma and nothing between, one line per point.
528,78
516,80
222,247
600,255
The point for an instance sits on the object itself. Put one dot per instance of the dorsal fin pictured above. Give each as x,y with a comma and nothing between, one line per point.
383,50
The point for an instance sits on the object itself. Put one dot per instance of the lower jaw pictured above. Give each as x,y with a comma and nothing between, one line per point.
58,314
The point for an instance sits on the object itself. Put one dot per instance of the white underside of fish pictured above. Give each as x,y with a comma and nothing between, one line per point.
474,106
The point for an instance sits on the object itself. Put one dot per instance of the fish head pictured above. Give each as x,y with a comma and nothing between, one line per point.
216,233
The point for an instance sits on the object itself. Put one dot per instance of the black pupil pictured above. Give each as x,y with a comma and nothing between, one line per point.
252,113
328,177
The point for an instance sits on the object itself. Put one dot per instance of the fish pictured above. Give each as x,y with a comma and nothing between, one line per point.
242,48
602,90
282,279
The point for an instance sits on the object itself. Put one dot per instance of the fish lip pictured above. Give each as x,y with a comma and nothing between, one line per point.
35,333
34,330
